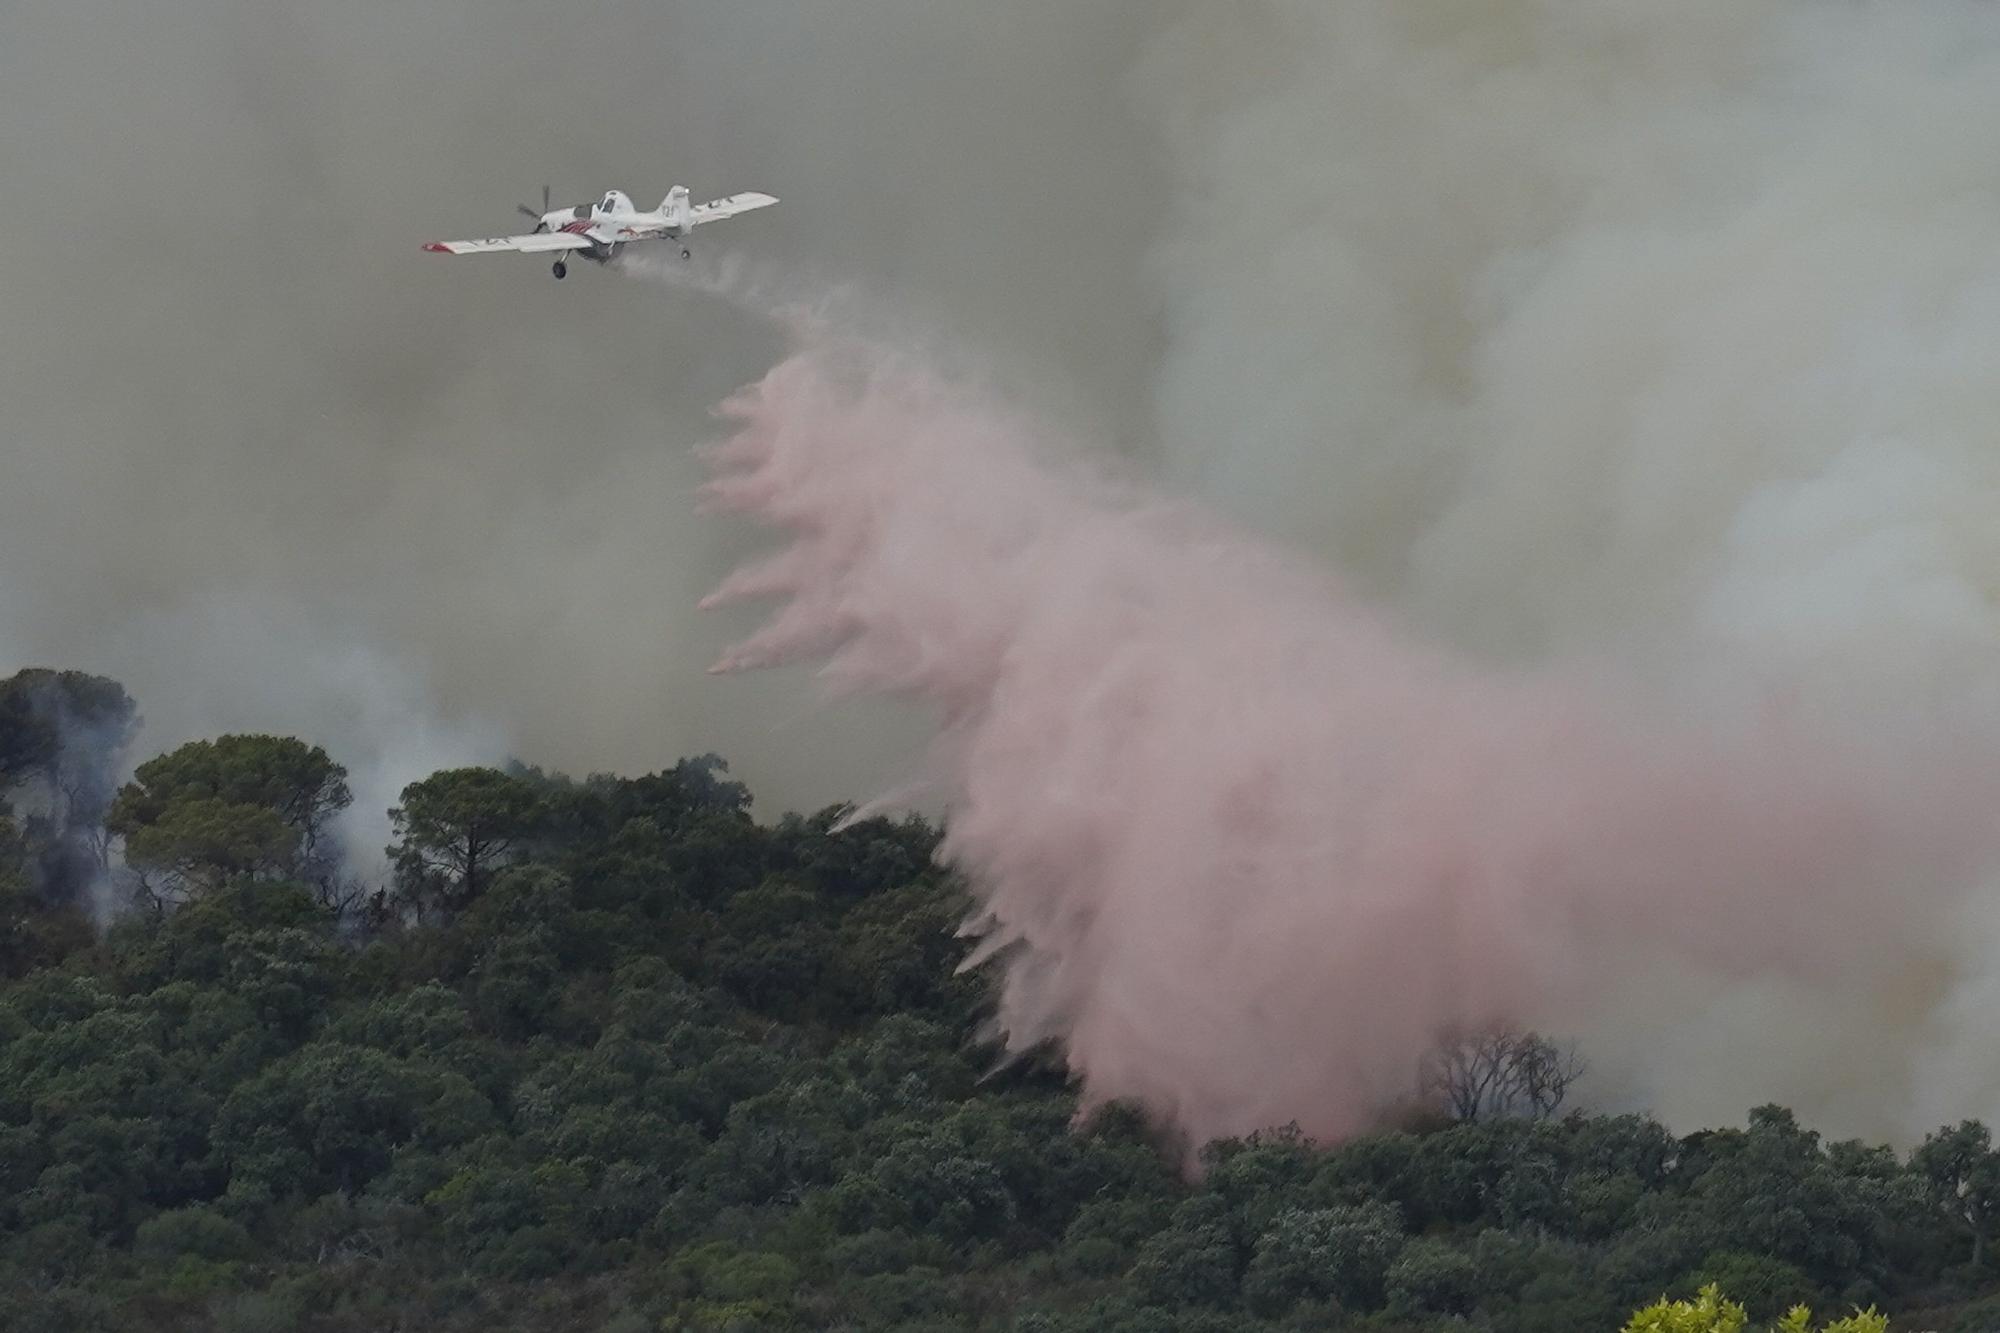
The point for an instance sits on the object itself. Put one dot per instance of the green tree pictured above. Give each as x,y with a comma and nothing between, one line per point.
1342,1254
455,829
65,728
1772,1190
1962,1173
898,950
61,736
202,843
520,1222
1192,1261
1762,1282
32,933
1799,1320
198,1231
1433,1277
1709,1312
296,782
333,1117
669,1067
1261,1176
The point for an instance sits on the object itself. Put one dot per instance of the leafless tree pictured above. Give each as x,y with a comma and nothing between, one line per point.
1497,1072
343,895
156,895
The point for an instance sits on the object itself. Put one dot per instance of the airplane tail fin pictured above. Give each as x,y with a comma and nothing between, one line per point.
675,208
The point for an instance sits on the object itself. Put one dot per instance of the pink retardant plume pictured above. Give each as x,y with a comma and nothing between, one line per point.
1241,846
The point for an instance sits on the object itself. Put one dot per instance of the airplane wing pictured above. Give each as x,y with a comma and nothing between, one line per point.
546,240
730,206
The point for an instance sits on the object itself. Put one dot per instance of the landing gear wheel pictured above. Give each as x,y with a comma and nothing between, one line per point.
687,254
560,270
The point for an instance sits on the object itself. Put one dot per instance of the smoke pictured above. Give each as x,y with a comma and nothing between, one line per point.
63,736
376,715
1659,339
416,495
1588,340
1647,355
1245,846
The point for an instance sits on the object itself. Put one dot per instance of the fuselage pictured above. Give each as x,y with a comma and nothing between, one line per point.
612,222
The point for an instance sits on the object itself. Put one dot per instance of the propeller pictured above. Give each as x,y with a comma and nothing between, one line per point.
533,213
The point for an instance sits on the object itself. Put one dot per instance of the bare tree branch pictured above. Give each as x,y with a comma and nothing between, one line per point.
1499,1072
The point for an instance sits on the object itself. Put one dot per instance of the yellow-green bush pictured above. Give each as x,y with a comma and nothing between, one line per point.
1707,1313
1799,1320
1710,1312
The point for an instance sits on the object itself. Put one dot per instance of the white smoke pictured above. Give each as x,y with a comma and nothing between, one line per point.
376,715
1667,334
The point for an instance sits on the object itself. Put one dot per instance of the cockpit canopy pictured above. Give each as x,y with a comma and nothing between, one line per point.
614,201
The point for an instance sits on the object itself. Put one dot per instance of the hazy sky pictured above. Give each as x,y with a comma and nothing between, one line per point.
1577,333
274,466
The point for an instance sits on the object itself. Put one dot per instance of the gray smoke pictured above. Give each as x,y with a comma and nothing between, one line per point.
274,467
1570,329
63,737
1658,335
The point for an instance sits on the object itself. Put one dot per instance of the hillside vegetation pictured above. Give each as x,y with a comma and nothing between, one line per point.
609,1054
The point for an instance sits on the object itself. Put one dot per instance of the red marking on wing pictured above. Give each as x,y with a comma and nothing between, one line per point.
437,247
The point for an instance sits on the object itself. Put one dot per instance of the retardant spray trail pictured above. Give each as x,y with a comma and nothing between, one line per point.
1242,846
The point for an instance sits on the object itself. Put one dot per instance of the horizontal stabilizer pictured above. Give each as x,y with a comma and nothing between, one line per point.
729,206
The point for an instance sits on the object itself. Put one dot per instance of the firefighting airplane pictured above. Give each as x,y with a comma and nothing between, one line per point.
600,230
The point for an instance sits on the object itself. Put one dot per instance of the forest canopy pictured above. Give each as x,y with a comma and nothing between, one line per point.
610,1054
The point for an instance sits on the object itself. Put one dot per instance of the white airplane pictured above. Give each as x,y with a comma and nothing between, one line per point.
600,230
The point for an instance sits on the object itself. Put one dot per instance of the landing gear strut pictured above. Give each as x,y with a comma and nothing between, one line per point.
560,270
